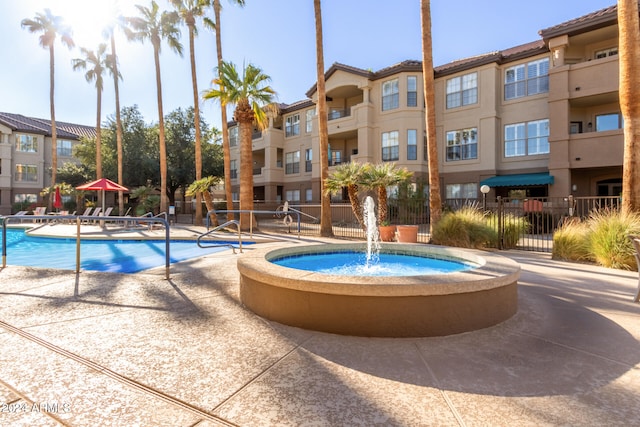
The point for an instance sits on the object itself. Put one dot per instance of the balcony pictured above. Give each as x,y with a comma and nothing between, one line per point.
599,76
338,114
596,149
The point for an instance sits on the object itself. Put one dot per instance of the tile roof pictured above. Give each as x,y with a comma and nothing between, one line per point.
592,21
20,123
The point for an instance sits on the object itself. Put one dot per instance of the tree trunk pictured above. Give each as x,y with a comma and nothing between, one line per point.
245,116
226,150
162,142
98,135
435,204
196,110
54,133
326,229
352,191
118,125
629,54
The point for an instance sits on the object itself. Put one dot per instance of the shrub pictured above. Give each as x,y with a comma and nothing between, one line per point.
465,228
608,238
571,242
512,228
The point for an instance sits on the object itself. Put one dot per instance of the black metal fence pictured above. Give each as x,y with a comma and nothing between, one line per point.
541,216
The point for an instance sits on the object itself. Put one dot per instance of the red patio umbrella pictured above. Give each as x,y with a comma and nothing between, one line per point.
57,199
102,185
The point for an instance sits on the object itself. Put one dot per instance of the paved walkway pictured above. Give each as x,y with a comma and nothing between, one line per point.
98,349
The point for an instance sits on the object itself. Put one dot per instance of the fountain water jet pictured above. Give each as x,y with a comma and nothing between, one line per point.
373,238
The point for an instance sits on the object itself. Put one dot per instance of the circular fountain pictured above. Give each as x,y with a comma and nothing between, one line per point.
482,294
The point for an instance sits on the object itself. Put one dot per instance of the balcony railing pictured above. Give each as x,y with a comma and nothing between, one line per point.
338,114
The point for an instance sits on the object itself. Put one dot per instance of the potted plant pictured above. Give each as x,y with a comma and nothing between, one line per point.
386,231
407,233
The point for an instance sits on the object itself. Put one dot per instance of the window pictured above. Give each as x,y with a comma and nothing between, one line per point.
609,122
390,146
526,139
292,195
462,144
308,195
412,144
527,79
25,198
336,158
26,173
412,91
462,90
26,143
292,162
293,125
233,168
64,148
390,95
233,136
308,157
462,191
606,52
309,119
538,137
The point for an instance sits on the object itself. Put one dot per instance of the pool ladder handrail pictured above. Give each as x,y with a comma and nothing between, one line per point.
233,221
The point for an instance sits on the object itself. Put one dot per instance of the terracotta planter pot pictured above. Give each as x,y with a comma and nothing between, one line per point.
387,232
407,233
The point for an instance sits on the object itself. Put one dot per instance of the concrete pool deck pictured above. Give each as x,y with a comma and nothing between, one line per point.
127,350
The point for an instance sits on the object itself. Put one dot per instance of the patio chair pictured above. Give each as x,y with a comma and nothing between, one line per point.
636,245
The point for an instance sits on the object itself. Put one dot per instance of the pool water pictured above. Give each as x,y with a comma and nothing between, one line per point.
119,256
352,263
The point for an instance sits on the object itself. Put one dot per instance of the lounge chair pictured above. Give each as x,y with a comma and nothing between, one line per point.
107,211
636,245
87,211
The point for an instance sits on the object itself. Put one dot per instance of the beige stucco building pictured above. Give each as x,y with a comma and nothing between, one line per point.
25,156
542,118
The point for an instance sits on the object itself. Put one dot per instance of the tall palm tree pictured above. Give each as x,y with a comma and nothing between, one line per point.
95,64
629,53
251,95
347,175
435,204
155,26
112,63
224,128
326,230
50,26
380,176
190,11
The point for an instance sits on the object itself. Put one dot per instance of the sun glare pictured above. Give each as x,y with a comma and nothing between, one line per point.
88,19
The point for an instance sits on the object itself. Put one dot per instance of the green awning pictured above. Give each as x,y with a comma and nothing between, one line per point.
518,180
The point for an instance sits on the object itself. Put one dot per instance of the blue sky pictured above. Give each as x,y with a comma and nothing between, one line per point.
276,35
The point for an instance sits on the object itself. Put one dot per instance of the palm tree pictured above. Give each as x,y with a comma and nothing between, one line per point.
225,129
347,175
435,204
380,176
112,64
95,61
250,94
326,229
189,11
629,51
50,26
202,187
155,26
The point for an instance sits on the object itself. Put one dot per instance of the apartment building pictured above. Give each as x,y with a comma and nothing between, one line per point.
542,118
25,155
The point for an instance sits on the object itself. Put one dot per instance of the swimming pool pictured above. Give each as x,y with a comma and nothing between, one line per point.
118,256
